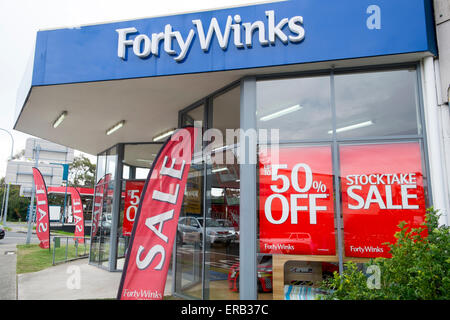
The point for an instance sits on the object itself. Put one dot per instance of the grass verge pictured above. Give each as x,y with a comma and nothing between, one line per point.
32,258
5,227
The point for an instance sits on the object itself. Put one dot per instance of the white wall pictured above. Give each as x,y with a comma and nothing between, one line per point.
442,72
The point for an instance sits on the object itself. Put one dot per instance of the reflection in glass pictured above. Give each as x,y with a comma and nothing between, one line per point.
195,115
189,238
367,105
142,173
298,107
105,224
111,162
126,172
101,167
97,214
226,115
137,161
103,208
222,216
141,155
376,104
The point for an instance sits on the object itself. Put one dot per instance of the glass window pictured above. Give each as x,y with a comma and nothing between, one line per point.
226,115
376,104
137,160
189,247
296,216
111,162
298,107
106,224
189,238
192,116
141,155
101,167
126,172
222,219
102,210
381,183
142,173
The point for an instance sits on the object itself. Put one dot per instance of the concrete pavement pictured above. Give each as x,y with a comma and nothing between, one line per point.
8,258
68,281
72,281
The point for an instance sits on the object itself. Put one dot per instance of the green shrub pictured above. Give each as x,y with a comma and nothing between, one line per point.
418,269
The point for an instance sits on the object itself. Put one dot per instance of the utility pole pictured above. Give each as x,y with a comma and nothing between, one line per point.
3,201
5,213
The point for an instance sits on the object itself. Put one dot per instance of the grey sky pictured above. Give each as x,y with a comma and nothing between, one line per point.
20,19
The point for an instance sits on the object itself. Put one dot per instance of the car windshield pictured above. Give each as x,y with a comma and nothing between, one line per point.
224,223
211,223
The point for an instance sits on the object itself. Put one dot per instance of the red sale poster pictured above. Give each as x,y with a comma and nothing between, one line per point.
296,207
133,191
382,185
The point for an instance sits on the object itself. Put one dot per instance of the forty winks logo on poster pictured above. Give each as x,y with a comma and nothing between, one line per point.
296,214
381,185
146,45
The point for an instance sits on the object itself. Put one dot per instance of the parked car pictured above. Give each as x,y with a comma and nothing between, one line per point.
2,232
190,229
106,223
264,275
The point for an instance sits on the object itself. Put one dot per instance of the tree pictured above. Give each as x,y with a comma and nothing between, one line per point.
17,205
419,267
82,172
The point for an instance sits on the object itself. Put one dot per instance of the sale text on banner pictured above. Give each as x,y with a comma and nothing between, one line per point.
78,214
382,185
42,211
99,194
296,206
148,256
133,191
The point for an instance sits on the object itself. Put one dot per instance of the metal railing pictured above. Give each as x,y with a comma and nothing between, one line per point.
68,248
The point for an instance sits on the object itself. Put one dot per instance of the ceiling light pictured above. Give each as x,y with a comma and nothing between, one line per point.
281,113
225,148
144,160
115,127
60,119
220,169
163,135
353,126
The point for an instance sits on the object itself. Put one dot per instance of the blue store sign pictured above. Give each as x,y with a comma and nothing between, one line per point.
282,33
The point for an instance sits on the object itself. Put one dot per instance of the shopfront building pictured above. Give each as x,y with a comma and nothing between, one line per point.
336,143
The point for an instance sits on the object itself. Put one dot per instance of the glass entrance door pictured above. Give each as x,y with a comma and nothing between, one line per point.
189,256
102,212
